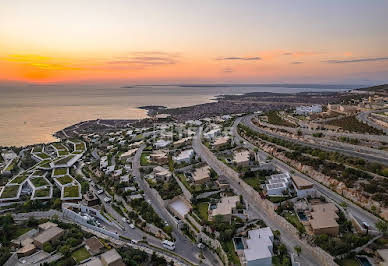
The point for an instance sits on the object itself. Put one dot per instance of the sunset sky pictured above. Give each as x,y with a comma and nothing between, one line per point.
165,41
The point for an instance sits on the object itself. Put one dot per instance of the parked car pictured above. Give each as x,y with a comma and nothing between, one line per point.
107,200
132,226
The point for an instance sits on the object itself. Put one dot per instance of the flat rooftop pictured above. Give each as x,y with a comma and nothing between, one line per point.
180,207
301,183
201,173
225,206
324,216
259,244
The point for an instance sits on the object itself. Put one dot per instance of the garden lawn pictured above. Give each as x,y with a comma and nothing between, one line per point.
42,155
66,179
254,182
10,192
64,160
44,192
63,153
20,179
143,159
70,192
203,210
80,254
229,249
38,182
60,171
80,147
183,179
293,219
59,146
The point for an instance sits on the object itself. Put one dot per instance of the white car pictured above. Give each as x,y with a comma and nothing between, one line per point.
134,241
124,219
107,200
100,191
132,226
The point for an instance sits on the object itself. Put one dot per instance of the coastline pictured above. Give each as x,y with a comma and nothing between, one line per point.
213,105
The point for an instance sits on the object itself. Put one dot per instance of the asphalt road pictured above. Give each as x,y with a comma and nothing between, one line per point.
246,120
364,118
289,239
183,245
128,234
360,214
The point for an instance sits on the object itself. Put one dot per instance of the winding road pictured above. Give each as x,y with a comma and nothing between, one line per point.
358,213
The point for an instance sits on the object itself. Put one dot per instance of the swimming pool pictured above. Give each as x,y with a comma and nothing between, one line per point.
238,243
364,261
302,216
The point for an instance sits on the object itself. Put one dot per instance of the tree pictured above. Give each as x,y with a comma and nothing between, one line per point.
47,247
298,250
382,227
282,249
65,250
276,234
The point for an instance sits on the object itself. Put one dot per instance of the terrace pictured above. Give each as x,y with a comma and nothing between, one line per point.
62,152
80,146
44,164
59,146
60,171
11,165
41,193
10,192
39,181
20,178
66,161
71,192
66,179
42,155
37,149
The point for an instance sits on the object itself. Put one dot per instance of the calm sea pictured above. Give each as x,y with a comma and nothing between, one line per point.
31,114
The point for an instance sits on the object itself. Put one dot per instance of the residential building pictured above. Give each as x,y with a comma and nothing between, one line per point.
222,183
323,219
128,154
302,186
221,142
306,110
258,248
181,142
179,206
93,245
91,199
212,134
201,175
185,156
161,173
45,226
277,184
241,157
161,143
224,208
111,258
160,156
48,236
124,178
